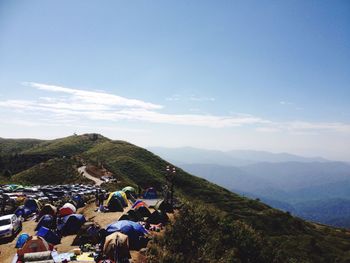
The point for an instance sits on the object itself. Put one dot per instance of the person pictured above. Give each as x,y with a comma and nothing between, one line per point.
101,198
97,197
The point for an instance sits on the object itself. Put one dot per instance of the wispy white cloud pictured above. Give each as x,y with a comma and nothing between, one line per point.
77,105
94,97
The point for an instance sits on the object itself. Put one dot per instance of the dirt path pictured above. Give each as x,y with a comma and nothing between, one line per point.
82,170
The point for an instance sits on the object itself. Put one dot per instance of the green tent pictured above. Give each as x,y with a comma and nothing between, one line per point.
129,189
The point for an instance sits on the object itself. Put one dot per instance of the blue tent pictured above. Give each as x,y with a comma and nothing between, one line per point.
21,240
78,200
31,204
136,202
132,229
24,211
70,224
150,193
48,235
47,221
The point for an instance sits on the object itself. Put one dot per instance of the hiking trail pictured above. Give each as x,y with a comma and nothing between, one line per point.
82,171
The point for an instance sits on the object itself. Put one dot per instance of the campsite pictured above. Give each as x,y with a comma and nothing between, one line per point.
84,224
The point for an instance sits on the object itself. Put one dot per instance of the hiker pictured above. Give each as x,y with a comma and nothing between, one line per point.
97,192
101,198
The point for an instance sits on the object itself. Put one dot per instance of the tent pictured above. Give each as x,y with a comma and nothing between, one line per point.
116,247
129,189
32,204
142,211
130,215
88,234
70,224
114,204
21,240
133,230
23,211
29,207
130,192
47,221
14,187
121,197
142,203
67,209
163,206
50,236
47,209
79,200
137,202
157,217
150,193
34,244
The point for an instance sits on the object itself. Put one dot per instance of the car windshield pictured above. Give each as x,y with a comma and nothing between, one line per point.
5,222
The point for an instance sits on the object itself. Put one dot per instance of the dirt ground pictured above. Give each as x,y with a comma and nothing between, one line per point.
8,250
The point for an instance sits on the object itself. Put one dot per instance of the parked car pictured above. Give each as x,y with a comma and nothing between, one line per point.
10,225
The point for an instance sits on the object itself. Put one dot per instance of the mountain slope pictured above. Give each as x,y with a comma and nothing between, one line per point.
61,171
209,206
13,146
291,234
68,146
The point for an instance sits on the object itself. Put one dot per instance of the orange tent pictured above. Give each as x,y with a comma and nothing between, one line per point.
34,244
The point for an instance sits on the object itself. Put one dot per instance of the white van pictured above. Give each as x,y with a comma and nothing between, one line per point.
9,225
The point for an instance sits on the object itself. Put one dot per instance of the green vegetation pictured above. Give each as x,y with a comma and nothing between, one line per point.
68,146
199,234
54,171
13,146
215,225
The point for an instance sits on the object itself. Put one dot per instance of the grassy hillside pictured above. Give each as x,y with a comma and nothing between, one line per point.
13,146
68,146
54,171
215,224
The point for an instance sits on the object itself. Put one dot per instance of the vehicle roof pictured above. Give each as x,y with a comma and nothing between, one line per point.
6,216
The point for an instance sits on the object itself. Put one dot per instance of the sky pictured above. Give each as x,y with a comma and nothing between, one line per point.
261,75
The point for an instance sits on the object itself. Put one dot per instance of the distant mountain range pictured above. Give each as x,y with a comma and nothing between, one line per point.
189,155
312,188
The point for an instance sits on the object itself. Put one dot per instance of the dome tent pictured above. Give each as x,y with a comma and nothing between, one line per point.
70,224
150,193
50,236
21,240
142,211
121,197
116,247
114,205
133,230
46,221
34,244
47,209
67,209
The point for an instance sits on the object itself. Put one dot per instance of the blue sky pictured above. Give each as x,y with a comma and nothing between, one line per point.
265,75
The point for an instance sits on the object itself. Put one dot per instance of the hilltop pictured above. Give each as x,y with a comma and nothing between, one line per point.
216,224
